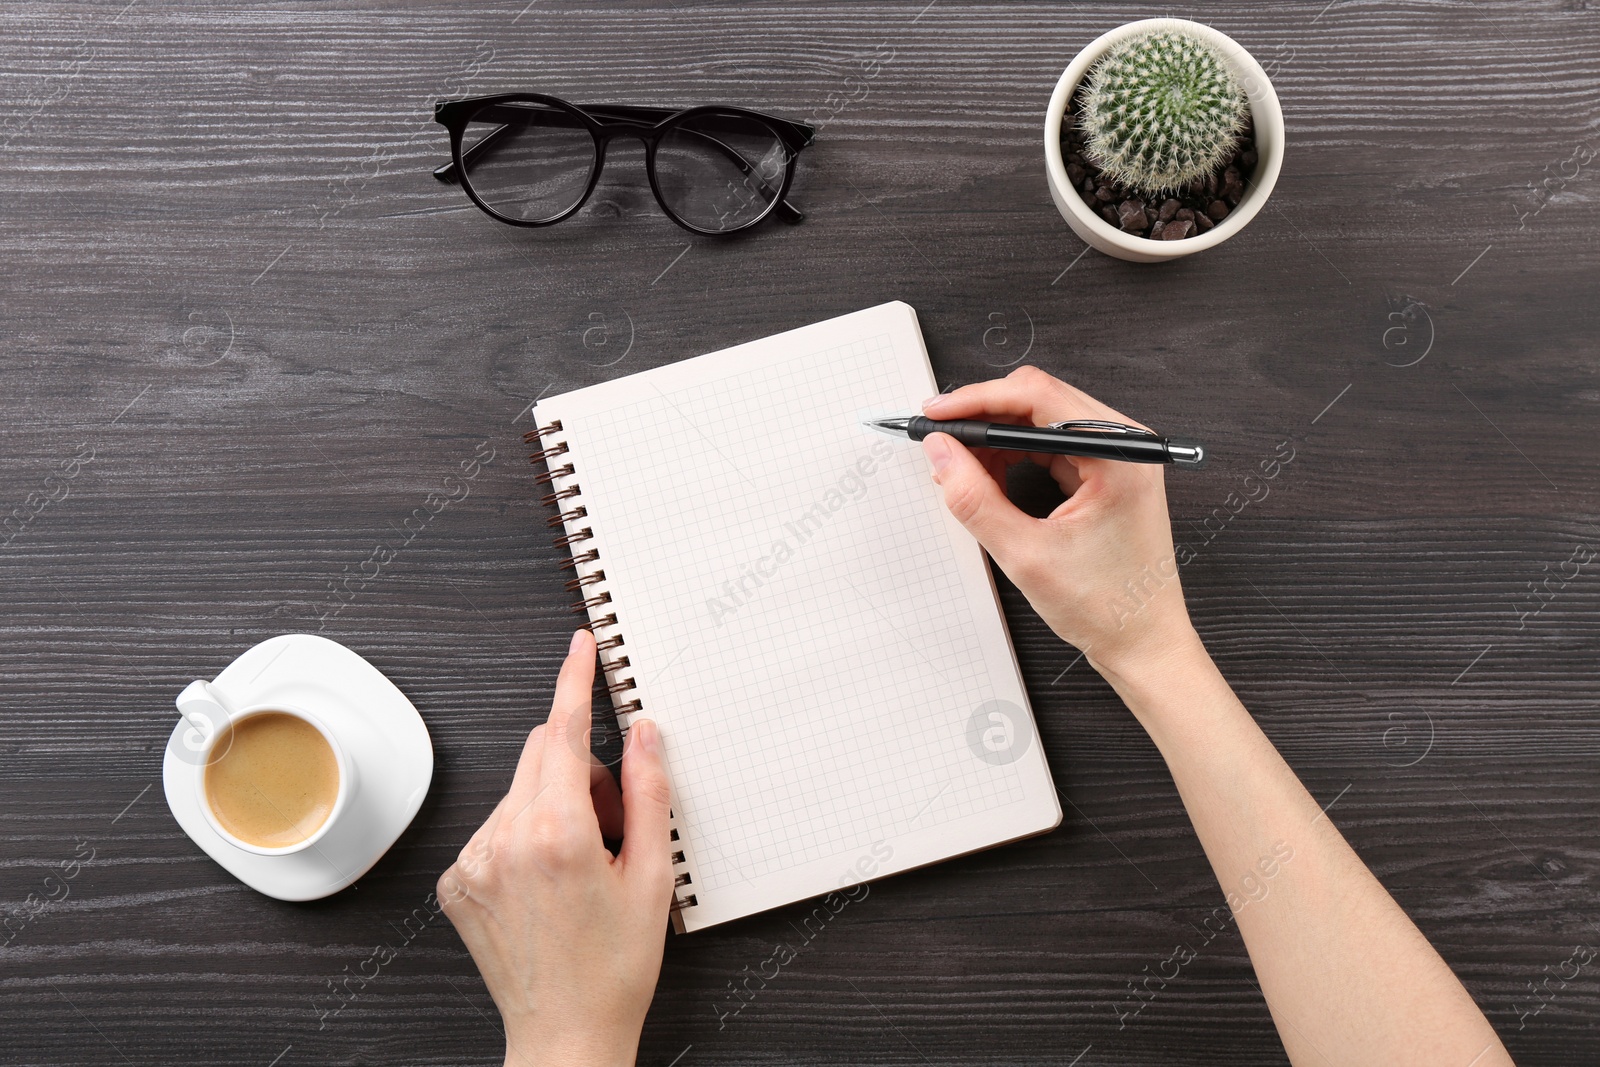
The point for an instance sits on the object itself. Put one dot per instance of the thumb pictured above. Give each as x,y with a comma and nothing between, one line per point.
974,498
646,840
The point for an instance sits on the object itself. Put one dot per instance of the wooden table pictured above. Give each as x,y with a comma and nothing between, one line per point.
246,334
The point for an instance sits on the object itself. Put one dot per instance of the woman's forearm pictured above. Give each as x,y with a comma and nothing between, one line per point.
1347,976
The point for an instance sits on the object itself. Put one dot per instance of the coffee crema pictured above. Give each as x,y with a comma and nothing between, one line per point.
272,779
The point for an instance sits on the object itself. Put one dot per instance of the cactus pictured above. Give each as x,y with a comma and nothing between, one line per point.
1161,109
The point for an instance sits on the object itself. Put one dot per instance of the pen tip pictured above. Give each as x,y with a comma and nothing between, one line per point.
896,427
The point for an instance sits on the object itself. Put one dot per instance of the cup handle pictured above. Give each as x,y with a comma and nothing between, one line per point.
202,708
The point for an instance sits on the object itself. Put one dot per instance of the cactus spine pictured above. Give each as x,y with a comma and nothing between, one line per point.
1161,109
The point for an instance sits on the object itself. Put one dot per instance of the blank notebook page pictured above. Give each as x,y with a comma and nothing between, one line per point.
818,641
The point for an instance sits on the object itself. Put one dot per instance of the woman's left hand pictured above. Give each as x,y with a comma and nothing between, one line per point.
568,937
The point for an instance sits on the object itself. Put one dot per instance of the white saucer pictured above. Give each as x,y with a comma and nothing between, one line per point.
380,731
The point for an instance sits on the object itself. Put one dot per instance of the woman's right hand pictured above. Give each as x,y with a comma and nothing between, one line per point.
1100,569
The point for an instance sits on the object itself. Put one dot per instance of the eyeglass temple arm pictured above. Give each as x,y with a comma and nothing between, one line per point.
448,174
653,115
786,211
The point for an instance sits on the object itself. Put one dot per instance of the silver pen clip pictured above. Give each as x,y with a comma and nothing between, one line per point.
1101,426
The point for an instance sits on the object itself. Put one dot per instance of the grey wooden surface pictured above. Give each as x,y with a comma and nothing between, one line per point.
245,334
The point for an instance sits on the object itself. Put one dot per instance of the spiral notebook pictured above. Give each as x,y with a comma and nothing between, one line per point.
782,591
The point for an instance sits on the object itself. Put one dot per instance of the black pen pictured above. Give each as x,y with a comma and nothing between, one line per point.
1085,437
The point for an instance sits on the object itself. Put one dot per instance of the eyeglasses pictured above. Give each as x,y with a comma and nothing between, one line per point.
532,160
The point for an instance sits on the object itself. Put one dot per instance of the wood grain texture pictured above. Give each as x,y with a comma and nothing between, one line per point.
226,271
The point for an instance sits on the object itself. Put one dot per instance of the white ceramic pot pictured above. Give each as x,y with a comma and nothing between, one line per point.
1264,111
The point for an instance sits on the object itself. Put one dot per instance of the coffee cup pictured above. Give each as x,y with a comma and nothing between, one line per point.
271,778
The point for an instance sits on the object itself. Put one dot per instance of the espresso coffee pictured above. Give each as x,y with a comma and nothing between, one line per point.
272,779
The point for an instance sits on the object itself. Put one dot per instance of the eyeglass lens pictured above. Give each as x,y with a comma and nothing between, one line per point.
527,160
720,172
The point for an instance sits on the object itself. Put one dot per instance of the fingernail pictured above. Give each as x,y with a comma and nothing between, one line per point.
649,737
577,639
938,453
932,401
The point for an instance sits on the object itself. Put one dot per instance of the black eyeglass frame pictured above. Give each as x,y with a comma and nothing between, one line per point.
606,122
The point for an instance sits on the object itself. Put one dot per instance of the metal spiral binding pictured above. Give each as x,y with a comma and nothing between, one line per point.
546,453
551,498
588,582
573,538
551,475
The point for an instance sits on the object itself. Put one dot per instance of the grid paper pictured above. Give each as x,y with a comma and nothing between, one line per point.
820,702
